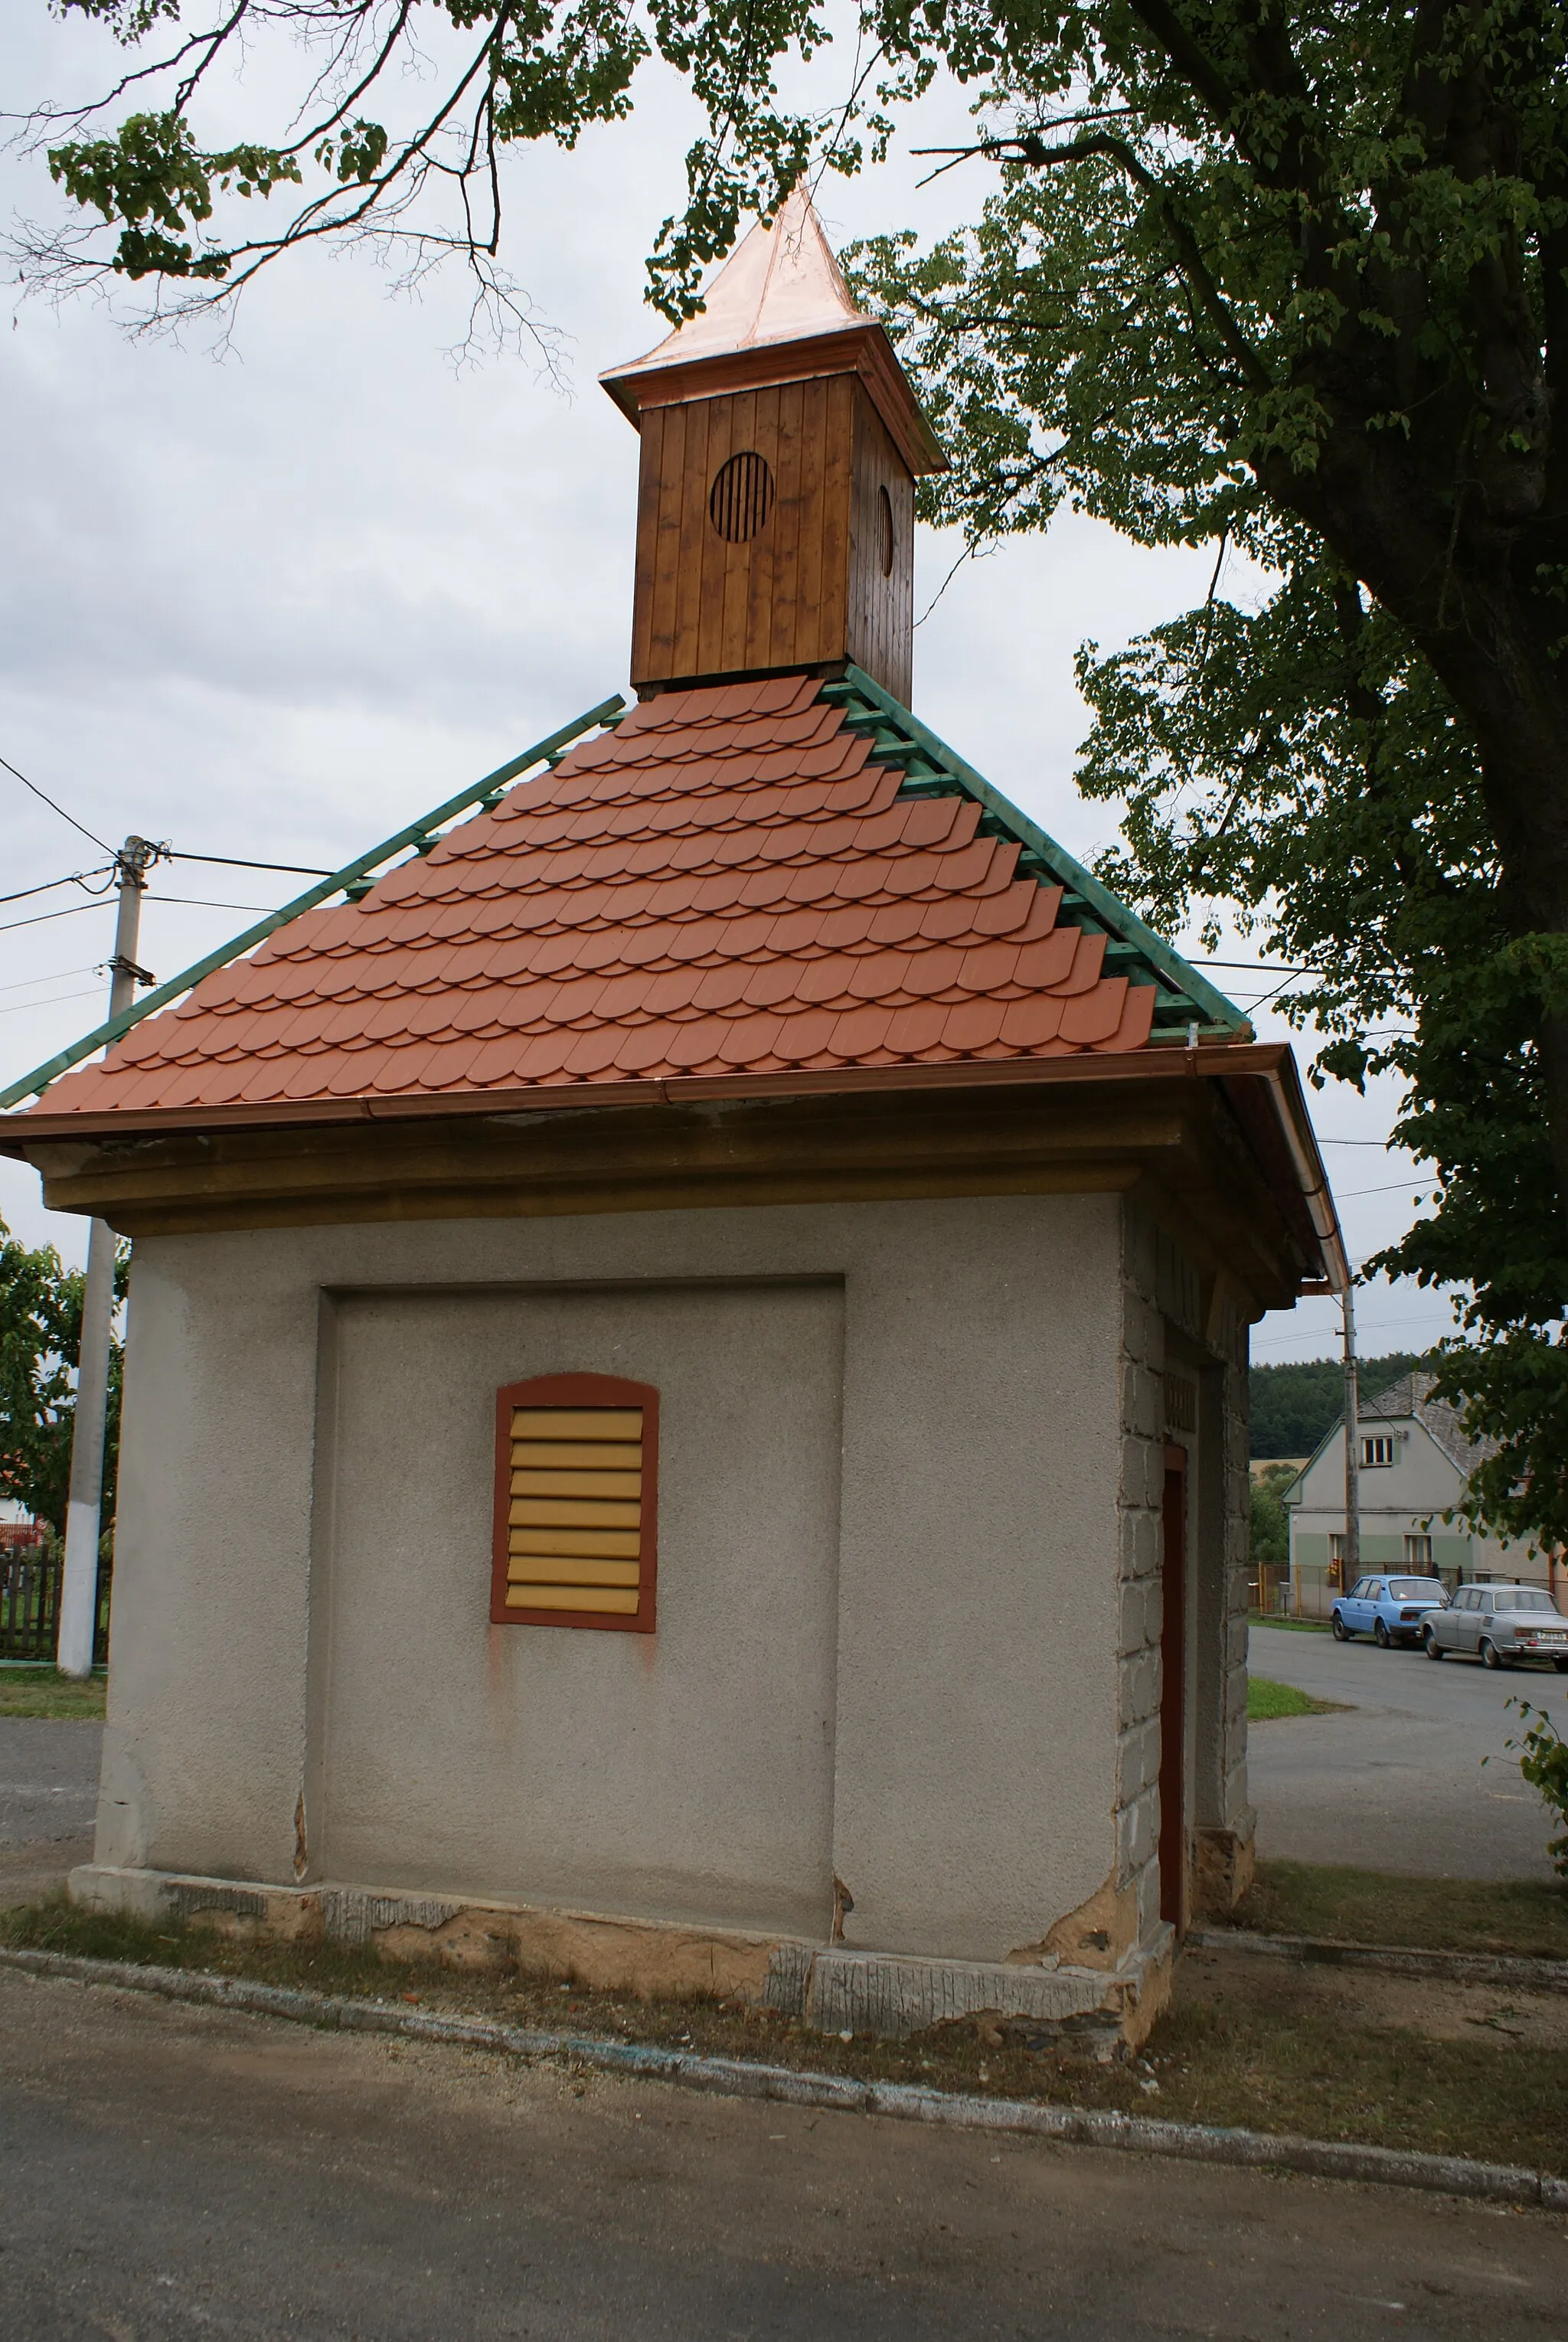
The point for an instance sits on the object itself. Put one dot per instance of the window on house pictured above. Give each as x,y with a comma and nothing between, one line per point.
1418,1554
1336,1560
576,1473
1378,1450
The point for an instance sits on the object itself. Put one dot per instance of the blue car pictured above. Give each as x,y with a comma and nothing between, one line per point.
1389,1609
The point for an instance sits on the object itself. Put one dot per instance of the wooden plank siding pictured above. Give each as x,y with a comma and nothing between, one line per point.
807,589
881,602
704,450
780,591
832,459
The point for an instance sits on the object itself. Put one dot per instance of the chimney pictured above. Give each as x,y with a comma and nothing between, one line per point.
776,509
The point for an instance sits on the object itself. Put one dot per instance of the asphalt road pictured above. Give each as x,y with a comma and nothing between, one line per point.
48,1779
1416,1779
170,2173
48,1794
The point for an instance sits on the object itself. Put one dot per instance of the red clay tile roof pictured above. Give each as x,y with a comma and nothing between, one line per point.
728,882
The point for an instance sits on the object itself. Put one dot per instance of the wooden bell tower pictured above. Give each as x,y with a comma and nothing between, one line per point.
775,511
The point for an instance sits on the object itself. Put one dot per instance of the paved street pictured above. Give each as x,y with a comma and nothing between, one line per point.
48,1793
169,2173
49,1778
1399,1784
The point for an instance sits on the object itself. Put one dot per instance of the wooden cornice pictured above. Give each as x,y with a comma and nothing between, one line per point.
1173,1139
861,349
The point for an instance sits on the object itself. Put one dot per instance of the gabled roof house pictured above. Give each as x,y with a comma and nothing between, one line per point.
686,1413
1415,1458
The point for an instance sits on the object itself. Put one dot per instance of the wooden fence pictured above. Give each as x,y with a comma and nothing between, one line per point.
30,1604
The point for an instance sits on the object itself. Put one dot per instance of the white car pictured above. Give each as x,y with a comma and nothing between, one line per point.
1499,1624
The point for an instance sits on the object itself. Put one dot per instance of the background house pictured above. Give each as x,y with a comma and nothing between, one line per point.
1414,1462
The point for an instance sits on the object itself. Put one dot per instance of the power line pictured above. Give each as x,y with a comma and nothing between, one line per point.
39,917
60,809
1256,966
16,1008
58,976
76,879
1394,1187
234,862
1367,1326
204,903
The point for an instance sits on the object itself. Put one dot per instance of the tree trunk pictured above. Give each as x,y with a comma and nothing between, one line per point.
1517,696
1493,647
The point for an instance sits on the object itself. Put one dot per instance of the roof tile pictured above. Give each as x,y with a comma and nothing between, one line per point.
1137,1018
727,880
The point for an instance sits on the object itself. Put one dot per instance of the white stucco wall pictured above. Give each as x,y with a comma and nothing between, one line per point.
888,1583
686,1772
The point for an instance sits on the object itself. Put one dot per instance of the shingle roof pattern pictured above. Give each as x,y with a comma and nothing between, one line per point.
1412,1398
728,881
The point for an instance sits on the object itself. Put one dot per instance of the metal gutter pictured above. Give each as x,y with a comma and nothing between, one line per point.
1270,1062
417,834
18,1132
1291,1107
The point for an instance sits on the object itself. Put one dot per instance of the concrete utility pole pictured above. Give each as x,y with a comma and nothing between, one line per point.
1352,1449
79,1592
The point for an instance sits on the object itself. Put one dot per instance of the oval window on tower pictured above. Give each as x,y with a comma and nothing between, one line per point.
884,515
742,497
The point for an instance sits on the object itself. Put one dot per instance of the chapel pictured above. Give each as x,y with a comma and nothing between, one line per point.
685,1390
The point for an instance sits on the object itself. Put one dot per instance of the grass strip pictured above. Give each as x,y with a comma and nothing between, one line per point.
43,1691
1267,1700
1265,2059
1379,1906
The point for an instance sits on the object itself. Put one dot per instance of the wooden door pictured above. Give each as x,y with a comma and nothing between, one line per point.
1172,1694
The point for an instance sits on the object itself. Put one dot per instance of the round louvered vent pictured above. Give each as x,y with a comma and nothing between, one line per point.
742,497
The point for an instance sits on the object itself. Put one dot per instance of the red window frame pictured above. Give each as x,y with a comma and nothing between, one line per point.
582,1391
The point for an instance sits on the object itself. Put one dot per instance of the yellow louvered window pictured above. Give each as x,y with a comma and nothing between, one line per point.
575,1485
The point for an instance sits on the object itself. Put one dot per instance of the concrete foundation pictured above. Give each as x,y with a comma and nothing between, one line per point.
834,1991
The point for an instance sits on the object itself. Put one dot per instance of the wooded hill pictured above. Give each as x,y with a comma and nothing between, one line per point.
1293,1405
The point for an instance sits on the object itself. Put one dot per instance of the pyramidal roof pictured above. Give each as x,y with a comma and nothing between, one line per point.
767,880
778,309
781,283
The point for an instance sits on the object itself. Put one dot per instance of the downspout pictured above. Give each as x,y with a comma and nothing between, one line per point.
1319,1202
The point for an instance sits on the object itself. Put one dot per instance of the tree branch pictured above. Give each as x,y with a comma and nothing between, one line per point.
1034,150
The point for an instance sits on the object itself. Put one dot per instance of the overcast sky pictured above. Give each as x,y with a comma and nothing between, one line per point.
278,602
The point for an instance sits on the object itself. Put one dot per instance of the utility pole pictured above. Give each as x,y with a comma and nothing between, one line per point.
1352,1449
79,1592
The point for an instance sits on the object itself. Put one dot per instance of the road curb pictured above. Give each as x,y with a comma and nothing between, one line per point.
739,2077
1392,1959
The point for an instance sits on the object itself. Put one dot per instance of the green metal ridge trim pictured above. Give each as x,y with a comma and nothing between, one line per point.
1097,898
417,834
